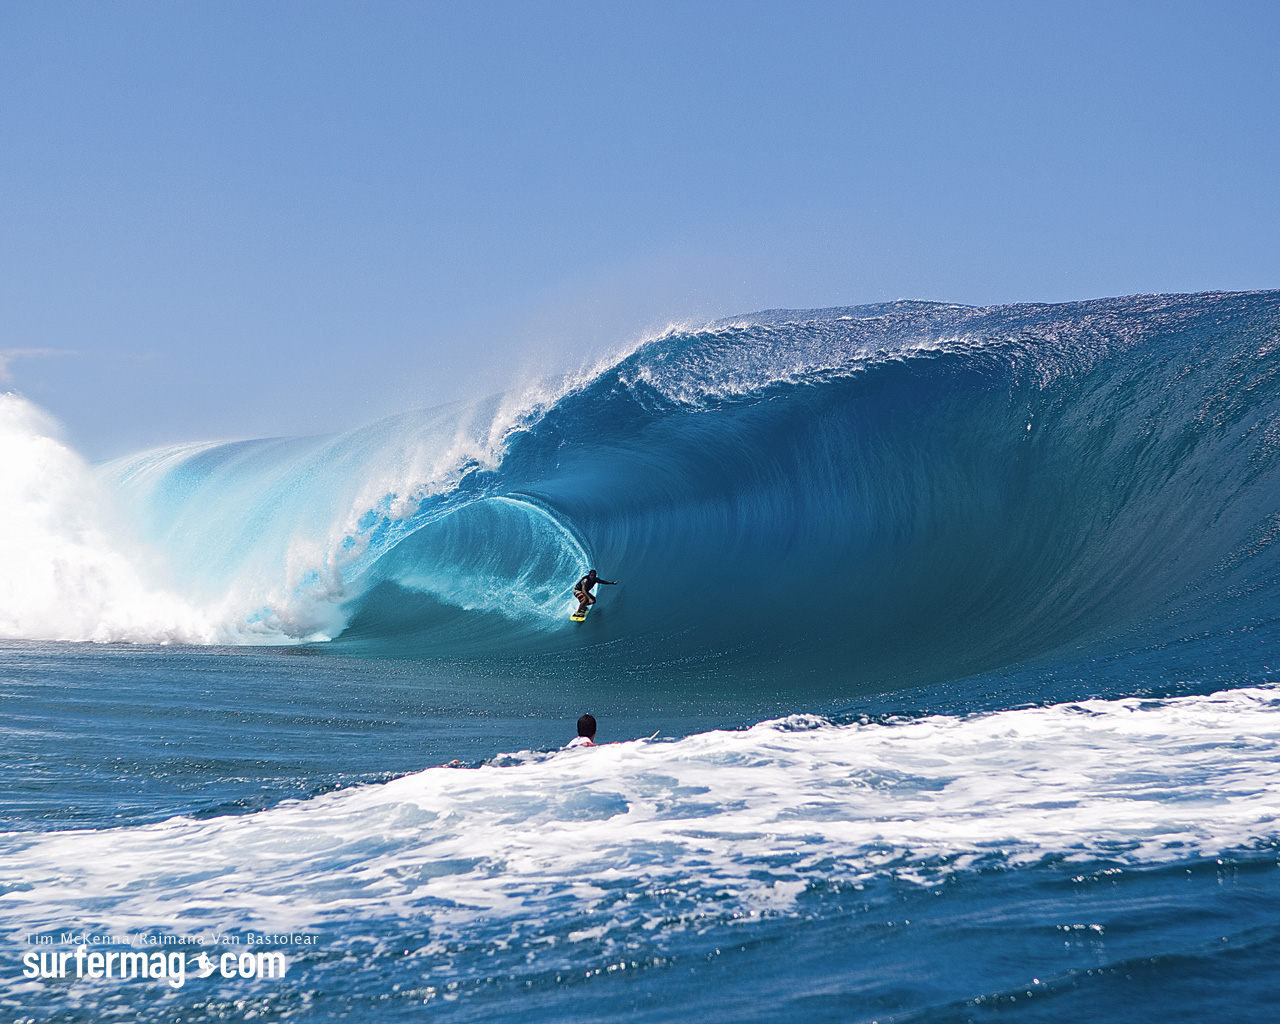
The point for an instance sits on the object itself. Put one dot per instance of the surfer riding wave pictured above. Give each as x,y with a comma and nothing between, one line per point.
582,590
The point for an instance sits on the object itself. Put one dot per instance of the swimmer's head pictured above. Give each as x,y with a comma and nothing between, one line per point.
587,727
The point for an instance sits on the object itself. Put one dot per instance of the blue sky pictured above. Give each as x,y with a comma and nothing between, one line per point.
239,219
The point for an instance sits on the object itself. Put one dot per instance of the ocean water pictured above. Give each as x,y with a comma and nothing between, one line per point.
958,626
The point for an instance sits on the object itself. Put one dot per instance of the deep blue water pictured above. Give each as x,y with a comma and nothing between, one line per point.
958,627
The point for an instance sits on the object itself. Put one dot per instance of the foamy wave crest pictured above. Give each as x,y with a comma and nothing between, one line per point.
70,572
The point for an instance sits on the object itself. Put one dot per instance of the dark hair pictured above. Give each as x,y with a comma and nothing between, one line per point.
587,727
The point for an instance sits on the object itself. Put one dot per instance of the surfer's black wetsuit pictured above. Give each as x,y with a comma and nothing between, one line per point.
582,589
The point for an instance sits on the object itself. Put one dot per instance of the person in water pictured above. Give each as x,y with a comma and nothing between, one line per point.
582,589
586,733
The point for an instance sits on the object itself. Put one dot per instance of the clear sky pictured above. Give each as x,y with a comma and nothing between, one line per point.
231,219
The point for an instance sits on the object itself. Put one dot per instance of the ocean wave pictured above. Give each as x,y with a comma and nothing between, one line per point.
898,493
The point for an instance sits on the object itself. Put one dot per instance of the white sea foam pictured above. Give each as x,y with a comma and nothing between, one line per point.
720,823
70,570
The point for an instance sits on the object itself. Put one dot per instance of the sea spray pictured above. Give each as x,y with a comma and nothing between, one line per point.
72,571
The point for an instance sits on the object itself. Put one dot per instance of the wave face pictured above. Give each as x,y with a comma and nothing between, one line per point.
898,493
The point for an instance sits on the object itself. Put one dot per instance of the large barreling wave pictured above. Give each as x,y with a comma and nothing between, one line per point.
902,493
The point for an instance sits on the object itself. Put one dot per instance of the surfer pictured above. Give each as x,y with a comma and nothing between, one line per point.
582,590
586,732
